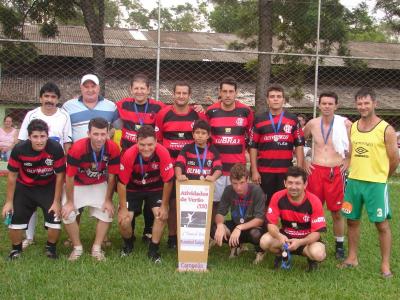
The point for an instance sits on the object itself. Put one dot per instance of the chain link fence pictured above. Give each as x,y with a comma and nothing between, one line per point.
28,59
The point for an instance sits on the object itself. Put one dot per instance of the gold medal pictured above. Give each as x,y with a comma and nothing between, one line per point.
144,181
241,220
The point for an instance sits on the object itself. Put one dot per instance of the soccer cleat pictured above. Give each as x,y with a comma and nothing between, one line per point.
98,254
75,254
339,254
26,243
155,257
14,254
146,238
52,254
172,243
126,251
259,257
312,265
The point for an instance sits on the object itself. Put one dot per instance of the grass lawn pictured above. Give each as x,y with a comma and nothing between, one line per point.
135,277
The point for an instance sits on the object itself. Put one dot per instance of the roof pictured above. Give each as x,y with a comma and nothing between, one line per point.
134,44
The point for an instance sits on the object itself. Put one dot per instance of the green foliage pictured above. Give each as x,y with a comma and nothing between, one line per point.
391,8
49,29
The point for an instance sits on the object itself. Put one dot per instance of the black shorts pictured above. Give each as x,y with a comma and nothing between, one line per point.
134,200
27,199
300,250
271,183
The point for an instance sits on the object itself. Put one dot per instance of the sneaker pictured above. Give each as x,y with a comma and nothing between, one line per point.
172,243
146,238
51,254
75,254
340,254
155,257
259,257
98,254
312,265
126,251
14,254
26,243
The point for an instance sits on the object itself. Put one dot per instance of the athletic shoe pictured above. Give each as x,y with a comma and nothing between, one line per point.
14,254
172,243
259,257
155,257
98,254
75,254
51,254
146,238
312,265
26,243
340,254
126,251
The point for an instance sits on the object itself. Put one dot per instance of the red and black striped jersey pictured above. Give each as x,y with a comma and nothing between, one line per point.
132,120
275,150
229,130
189,162
151,175
82,164
298,219
36,167
174,130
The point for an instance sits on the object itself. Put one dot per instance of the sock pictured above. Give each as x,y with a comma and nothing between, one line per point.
17,247
339,241
172,238
128,242
153,247
51,247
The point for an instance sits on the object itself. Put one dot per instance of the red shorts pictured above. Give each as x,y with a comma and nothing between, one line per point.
328,185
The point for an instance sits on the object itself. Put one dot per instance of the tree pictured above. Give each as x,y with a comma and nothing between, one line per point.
391,8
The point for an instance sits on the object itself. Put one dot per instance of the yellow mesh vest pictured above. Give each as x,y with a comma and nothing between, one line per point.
369,161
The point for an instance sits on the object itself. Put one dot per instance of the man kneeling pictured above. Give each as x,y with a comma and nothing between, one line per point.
146,175
246,202
92,164
302,219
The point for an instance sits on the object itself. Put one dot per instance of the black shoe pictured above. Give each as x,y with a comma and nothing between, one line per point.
340,254
172,243
126,251
155,257
277,262
146,238
51,254
14,254
312,265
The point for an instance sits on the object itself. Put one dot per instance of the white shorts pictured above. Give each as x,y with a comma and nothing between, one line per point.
91,196
220,184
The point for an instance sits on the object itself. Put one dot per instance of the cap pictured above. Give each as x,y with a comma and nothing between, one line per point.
90,77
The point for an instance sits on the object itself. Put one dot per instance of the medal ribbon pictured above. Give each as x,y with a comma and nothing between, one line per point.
141,121
271,118
329,131
201,163
95,157
286,263
141,166
243,209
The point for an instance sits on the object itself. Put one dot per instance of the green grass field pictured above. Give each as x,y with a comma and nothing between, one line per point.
135,277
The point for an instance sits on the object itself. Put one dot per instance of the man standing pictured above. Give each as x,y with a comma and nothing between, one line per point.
35,179
246,202
374,157
93,163
146,175
275,134
302,218
174,125
329,162
59,130
230,122
88,106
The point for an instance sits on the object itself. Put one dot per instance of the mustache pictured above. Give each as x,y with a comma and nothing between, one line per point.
49,103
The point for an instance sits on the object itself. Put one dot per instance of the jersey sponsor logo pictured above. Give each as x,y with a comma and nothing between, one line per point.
318,220
130,136
168,167
361,152
92,174
239,121
228,130
49,162
181,134
269,138
227,140
287,128
28,164
176,146
191,163
154,166
197,171
347,207
294,225
40,171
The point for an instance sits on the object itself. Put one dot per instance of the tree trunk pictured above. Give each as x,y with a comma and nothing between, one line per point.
93,13
264,45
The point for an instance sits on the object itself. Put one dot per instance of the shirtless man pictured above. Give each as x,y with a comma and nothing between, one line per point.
330,161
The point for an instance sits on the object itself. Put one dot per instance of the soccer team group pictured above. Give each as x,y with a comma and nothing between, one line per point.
66,161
